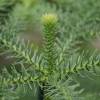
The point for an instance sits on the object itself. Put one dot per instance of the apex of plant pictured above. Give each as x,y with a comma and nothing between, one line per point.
48,19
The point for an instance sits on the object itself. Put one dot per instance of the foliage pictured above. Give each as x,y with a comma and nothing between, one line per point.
47,48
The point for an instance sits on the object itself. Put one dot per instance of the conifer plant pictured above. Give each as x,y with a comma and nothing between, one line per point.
68,55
